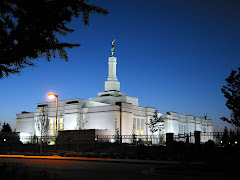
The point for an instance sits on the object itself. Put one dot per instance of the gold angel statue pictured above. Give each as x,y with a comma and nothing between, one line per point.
113,46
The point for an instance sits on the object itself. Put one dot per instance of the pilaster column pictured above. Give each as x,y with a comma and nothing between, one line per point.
112,83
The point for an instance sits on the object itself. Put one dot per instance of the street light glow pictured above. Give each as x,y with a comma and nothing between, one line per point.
52,96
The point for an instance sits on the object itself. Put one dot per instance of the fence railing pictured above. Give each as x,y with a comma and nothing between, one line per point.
115,143
89,139
217,137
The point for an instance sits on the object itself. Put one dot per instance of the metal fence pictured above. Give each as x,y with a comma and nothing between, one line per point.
83,143
217,137
115,143
89,139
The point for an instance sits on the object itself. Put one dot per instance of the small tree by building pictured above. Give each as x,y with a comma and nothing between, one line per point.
42,122
134,136
81,122
155,122
117,133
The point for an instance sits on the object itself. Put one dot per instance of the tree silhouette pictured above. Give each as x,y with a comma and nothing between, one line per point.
155,122
30,29
42,122
81,122
232,93
225,137
6,128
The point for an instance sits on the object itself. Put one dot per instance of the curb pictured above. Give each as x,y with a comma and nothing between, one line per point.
134,161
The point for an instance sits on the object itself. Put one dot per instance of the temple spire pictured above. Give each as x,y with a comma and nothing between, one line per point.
112,83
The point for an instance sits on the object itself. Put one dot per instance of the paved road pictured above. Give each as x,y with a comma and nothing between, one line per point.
89,170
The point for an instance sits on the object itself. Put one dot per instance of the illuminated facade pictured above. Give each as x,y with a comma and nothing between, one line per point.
112,110
186,124
121,118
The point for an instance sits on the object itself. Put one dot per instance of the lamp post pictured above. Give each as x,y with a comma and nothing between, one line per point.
52,96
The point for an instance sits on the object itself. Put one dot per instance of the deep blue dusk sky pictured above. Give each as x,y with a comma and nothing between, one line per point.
173,55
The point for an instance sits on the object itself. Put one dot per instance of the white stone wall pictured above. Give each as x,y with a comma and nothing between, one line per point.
70,121
180,124
190,123
25,123
113,99
132,100
198,123
101,117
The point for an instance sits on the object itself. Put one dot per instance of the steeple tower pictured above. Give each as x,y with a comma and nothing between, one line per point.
112,93
112,83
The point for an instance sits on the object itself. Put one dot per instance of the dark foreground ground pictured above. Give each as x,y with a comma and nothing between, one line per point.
48,168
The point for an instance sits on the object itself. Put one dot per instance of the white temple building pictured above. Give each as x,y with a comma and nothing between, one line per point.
112,111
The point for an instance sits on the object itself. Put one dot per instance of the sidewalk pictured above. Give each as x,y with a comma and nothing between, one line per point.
136,161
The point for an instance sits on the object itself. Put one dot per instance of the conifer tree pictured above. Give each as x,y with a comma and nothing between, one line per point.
6,128
232,92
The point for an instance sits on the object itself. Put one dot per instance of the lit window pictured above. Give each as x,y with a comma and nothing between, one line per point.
134,125
138,126
142,126
51,127
61,124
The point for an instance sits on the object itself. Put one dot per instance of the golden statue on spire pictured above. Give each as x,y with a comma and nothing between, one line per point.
113,46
